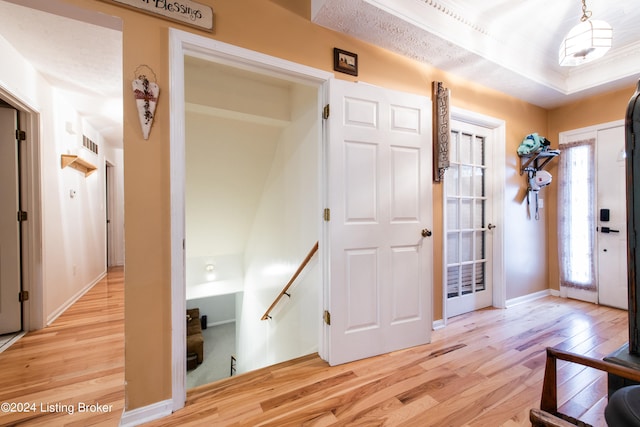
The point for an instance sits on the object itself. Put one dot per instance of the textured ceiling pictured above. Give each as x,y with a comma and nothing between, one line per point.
78,52
509,45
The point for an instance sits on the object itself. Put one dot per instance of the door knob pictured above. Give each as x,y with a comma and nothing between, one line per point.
491,226
426,232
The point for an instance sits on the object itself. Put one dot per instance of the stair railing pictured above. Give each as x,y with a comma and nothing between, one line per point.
284,292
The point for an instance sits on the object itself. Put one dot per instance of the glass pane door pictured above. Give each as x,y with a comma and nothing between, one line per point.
466,224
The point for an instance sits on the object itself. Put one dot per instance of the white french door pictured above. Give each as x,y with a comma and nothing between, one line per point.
379,195
467,220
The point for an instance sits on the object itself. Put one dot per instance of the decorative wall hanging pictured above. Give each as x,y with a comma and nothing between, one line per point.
535,153
146,94
441,123
345,62
186,12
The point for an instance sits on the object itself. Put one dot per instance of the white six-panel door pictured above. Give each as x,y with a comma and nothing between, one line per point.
379,196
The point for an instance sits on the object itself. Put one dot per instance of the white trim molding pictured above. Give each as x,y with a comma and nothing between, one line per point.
528,298
439,324
183,44
33,255
146,413
498,127
74,298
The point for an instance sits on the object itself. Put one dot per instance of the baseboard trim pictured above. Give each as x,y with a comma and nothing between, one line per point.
74,298
221,322
438,324
528,298
146,413
15,338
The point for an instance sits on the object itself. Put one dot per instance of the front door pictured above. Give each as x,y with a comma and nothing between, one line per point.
379,196
10,306
467,220
595,262
611,217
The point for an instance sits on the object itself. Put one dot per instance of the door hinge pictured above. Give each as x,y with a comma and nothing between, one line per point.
325,112
327,214
22,216
23,296
327,317
21,135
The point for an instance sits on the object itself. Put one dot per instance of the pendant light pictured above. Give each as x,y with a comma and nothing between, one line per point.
588,40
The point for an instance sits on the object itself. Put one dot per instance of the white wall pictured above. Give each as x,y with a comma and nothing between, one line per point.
74,225
286,226
233,123
226,277
73,229
219,309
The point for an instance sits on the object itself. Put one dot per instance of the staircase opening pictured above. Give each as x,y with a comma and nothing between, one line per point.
252,199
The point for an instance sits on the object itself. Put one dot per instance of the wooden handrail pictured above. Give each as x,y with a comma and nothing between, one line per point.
304,263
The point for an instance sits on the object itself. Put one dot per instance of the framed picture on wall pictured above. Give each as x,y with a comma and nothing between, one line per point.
345,62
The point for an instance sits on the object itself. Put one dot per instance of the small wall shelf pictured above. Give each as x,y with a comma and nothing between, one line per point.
77,163
536,161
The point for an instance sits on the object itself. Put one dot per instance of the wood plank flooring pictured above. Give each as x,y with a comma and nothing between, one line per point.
48,375
483,369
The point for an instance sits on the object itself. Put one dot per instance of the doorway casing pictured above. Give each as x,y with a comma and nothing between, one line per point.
183,44
575,135
32,255
497,128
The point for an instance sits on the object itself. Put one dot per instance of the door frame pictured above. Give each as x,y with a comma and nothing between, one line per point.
110,203
498,130
581,294
32,254
183,44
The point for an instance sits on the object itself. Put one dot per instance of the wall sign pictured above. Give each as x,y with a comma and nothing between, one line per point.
186,12
441,119
146,94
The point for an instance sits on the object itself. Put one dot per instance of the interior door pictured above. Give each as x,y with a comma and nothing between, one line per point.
10,306
467,220
611,217
379,195
109,177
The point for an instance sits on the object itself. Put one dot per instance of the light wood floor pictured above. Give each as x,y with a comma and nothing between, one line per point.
483,369
78,359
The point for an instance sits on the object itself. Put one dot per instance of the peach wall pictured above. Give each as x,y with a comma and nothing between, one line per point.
588,112
280,28
147,213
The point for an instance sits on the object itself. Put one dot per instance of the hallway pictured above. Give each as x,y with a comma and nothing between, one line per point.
71,372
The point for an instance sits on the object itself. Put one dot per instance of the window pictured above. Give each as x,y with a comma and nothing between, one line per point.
576,222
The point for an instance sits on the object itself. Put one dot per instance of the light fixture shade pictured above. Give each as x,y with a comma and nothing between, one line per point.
585,42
